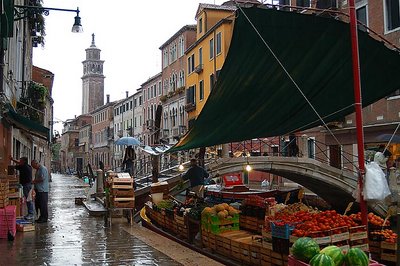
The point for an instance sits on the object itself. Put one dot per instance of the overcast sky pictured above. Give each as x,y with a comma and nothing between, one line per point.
129,34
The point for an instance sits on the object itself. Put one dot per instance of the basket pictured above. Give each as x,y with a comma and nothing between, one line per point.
281,231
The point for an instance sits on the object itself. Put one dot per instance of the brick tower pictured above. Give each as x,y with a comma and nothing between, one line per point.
92,80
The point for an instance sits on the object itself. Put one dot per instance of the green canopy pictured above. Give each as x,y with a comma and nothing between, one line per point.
255,98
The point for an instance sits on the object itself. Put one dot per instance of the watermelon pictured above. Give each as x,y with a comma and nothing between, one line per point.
356,257
335,253
322,260
305,248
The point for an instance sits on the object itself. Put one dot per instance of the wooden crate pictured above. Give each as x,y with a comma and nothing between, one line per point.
122,183
122,202
388,251
129,192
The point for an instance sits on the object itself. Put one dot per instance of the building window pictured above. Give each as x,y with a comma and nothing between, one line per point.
212,81
191,63
200,25
181,82
165,58
191,95
362,16
211,48
181,46
392,14
159,88
303,3
200,56
201,90
219,43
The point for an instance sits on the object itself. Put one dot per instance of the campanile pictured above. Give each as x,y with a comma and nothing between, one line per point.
92,79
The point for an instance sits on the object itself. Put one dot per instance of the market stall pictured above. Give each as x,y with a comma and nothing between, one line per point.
260,231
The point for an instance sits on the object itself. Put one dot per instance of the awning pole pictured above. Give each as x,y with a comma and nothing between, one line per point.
358,109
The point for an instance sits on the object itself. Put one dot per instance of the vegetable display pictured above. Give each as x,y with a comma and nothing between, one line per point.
322,260
305,248
356,257
335,253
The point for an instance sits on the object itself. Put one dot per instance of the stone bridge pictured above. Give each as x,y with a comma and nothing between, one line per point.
334,185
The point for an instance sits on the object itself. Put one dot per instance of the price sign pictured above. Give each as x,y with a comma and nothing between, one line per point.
301,194
348,208
287,197
390,212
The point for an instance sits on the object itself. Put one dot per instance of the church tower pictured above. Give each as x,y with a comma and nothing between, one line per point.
92,80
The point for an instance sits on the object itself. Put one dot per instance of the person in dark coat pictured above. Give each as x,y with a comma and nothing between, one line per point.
129,158
25,179
196,175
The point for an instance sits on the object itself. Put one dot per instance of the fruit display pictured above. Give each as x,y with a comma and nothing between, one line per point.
322,260
384,235
222,210
305,248
373,219
356,257
335,253
308,251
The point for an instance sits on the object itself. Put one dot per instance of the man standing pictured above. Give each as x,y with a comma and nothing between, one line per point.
196,175
25,179
41,183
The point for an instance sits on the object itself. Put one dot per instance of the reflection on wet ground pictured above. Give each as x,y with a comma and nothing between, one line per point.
72,237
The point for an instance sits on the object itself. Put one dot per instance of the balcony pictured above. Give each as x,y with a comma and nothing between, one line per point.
190,107
150,124
198,69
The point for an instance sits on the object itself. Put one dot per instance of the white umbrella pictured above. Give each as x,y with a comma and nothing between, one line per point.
128,141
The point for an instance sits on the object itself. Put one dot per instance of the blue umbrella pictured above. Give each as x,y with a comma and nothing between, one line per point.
128,141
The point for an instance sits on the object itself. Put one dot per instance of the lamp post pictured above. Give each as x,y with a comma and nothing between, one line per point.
21,12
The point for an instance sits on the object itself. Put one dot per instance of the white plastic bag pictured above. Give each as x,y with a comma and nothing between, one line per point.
376,187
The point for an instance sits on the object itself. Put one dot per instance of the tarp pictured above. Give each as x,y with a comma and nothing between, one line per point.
26,124
255,98
157,150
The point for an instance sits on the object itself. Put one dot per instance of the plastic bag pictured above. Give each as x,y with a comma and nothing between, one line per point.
376,187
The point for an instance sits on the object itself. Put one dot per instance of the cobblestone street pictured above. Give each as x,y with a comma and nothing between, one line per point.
72,237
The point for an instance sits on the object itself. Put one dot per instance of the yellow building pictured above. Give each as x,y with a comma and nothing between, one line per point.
207,55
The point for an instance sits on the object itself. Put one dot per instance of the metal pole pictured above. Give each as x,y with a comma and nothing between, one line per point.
358,109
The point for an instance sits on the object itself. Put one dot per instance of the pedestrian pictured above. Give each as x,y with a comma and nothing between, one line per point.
25,179
196,174
129,158
41,183
380,158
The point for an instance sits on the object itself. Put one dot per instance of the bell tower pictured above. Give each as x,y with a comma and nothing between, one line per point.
92,79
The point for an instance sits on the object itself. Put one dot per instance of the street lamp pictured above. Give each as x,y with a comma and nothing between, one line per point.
21,12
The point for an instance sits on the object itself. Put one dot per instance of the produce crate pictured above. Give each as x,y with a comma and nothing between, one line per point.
292,261
358,232
121,183
8,213
217,229
280,231
388,251
361,244
4,191
119,192
280,245
340,234
24,226
123,202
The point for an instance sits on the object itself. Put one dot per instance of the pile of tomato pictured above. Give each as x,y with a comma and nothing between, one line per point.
373,219
385,235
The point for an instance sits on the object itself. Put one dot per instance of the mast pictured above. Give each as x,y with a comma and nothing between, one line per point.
358,110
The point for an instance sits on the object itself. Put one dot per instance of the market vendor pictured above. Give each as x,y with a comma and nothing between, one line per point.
196,175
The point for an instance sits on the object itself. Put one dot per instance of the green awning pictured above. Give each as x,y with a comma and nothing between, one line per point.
255,98
26,124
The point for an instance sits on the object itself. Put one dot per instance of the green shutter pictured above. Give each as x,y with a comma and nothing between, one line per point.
7,19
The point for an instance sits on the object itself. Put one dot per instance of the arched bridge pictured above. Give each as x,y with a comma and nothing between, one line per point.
334,185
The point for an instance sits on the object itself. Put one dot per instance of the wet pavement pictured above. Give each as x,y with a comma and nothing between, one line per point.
73,237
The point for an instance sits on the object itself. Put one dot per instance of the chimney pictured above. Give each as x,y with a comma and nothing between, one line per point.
127,94
108,98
